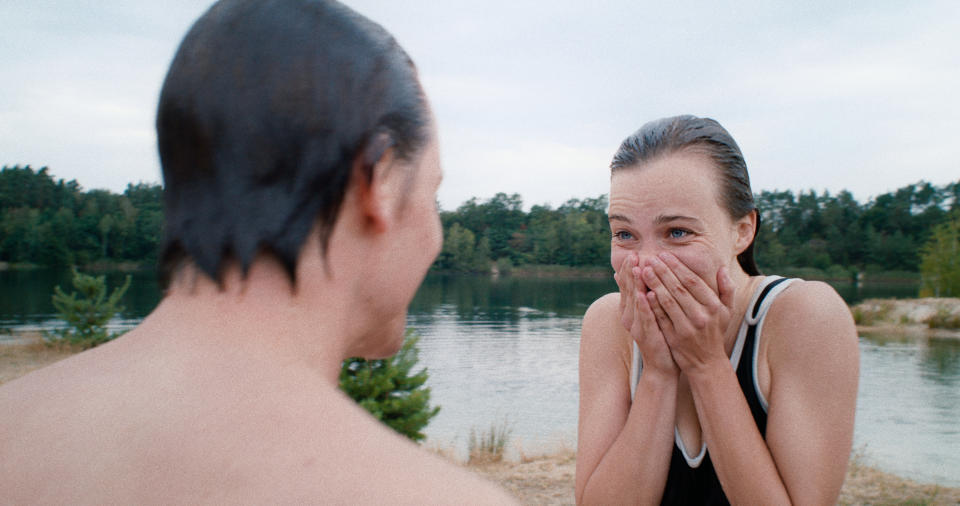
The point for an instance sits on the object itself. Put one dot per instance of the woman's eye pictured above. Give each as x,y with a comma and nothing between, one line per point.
622,235
678,233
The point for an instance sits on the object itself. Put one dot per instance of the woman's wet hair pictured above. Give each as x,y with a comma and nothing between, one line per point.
265,108
670,135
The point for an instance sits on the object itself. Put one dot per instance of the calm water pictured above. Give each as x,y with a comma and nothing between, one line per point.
505,351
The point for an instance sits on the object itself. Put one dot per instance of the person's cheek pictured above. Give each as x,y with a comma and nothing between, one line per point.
617,255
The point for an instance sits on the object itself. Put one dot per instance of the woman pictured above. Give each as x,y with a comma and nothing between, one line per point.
300,169
702,381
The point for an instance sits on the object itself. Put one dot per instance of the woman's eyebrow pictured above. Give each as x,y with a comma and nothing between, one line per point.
618,217
667,218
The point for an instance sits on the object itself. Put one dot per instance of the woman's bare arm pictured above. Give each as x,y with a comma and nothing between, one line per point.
814,364
814,361
623,449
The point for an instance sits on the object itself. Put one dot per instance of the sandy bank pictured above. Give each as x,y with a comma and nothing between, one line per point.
908,317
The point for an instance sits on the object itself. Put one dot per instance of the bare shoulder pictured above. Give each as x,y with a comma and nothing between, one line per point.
809,316
373,465
606,304
602,317
602,332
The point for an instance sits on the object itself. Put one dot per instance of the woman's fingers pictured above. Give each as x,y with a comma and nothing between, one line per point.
674,301
660,318
689,280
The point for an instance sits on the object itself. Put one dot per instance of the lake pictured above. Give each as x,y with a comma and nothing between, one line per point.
505,351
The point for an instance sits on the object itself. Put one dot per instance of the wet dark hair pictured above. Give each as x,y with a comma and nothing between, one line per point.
670,135
264,110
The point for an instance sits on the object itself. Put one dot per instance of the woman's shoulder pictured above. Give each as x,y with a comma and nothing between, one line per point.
603,312
810,300
604,304
809,316
601,324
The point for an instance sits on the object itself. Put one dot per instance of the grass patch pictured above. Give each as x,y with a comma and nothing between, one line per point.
487,447
871,312
944,319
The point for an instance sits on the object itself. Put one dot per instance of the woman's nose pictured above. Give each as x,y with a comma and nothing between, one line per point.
646,252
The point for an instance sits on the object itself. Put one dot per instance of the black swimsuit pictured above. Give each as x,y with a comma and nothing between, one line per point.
693,480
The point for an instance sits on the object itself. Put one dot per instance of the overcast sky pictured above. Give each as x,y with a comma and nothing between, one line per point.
533,97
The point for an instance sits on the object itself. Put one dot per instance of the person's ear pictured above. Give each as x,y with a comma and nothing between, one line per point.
746,229
375,178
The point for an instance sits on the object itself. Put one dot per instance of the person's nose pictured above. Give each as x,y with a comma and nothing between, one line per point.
647,251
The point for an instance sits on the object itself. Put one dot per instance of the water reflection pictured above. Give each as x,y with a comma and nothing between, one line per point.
908,406
853,293
942,358
25,297
508,298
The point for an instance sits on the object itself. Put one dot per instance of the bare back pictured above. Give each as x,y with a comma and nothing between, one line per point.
132,422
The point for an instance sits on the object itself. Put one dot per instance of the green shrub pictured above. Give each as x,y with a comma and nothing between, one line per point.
86,311
389,391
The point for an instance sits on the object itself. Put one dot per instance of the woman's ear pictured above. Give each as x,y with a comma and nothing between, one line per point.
746,230
375,182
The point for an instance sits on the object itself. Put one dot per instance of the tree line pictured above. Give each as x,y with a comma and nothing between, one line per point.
832,233
56,223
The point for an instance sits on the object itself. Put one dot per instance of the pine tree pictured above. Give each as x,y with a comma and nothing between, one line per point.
88,311
387,389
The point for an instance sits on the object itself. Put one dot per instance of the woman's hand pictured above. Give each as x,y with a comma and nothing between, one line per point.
637,316
692,318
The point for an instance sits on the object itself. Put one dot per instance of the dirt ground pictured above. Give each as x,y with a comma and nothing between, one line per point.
549,479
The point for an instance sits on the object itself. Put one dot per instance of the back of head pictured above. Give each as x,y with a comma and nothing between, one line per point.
264,109
678,133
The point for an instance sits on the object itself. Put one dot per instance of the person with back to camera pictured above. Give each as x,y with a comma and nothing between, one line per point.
702,381
300,167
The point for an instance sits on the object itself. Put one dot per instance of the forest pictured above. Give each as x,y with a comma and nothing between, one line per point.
51,222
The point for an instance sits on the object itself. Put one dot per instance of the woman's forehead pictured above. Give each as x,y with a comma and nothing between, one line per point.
678,186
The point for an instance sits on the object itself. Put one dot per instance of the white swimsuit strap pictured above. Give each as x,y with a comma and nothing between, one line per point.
757,320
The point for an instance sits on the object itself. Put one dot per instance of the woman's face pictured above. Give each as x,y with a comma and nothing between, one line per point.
671,204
